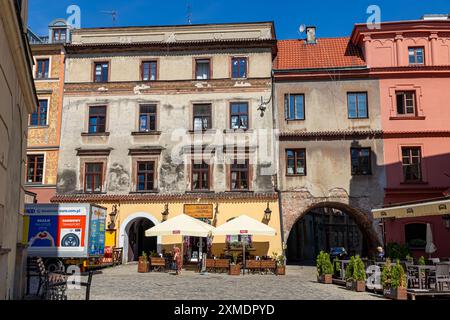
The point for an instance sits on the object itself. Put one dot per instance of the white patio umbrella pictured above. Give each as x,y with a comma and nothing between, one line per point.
430,247
244,226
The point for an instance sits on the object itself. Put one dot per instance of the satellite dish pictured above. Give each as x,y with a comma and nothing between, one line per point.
302,28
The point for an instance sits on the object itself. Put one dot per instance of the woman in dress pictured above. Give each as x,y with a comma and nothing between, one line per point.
178,259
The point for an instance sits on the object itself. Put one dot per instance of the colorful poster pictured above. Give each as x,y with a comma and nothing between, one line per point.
43,231
97,231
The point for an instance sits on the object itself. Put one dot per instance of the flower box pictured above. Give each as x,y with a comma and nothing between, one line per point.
281,271
395,293
326,278
235,270
358,286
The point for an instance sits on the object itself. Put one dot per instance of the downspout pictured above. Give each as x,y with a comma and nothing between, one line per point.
276,157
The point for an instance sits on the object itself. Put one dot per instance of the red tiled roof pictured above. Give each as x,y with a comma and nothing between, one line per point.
326,53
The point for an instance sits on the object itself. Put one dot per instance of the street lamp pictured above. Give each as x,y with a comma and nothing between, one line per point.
112,217
165,213
267,213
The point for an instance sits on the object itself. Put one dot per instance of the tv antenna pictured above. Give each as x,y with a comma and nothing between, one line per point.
113,15
189,13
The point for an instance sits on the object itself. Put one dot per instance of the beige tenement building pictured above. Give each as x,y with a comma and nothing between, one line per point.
18,100
158,121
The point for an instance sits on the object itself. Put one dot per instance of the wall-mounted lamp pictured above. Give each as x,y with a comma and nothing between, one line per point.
112,217
263,106
267,213
446,218
165,213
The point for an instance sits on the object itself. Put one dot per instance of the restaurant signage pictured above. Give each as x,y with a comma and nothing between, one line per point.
199,211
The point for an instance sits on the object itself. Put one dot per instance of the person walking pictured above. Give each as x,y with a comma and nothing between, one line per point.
178,259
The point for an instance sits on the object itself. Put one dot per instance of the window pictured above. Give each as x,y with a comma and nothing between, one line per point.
93,177
200,176
35,168
406,103
147,118
145,175
101,71
59,35
39,118
361,163
240,175
239,67
42,68
296,162
239,115
416,235
416,55
202,117
294,106
357,105
412,160
149,70
202,69
97,119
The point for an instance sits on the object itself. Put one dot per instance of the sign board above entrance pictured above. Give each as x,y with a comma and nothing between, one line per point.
199,211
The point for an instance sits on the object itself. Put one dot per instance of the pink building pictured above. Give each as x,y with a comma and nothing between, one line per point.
411,59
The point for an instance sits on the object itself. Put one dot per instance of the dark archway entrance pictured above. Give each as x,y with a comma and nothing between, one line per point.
137,241
322,228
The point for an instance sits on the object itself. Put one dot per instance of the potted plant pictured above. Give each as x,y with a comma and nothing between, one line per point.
281,264
324,268
393,278
235,268
355,275
143,264
421,261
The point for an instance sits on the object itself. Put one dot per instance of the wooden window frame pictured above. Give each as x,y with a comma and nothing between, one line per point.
403,94
287,107
145,172
46,64
194,116
93,175
239,67
410,163
415,63
94,67
60,31
148,117
38,112
96,116
239,114
143,62
296,158
238,170
356,93
34,177
207,170
196,60
358,173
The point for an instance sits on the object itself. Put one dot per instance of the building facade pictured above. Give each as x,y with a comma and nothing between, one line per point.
18,101
45,123
411,61
158,121
330,171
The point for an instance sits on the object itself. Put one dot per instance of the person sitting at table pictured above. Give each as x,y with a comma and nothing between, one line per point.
380,254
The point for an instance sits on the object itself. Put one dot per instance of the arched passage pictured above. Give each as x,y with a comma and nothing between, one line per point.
326,225
132,236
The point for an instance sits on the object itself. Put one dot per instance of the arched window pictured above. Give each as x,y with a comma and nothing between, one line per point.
416,235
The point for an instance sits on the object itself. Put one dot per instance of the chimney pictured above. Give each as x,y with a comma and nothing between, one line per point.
311,35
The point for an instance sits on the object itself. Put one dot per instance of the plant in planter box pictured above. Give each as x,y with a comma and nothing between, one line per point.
355,275
235,268
281,264
393,278
421,261
324,268
143,264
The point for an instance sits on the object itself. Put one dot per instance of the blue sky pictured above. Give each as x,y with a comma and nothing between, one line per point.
333,18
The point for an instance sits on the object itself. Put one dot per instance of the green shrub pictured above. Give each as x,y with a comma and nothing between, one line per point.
355,270
323,263
421,261
397,251
393,276
336,265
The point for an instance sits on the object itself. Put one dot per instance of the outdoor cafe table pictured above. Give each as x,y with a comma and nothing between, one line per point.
421,268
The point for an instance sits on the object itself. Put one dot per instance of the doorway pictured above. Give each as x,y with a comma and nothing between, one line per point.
137,241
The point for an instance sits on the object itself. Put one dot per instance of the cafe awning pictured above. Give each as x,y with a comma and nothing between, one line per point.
244,225
422,209
181,225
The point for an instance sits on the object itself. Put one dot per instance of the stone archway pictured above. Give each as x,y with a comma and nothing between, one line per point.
125,228
296,205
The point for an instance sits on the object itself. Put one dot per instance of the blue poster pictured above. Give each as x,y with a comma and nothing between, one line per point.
43,231
97,232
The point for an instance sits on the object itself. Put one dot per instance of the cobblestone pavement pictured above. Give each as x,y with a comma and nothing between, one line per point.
124,283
